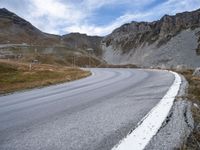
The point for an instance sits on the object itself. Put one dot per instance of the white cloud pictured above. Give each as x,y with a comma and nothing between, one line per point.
95,4
103,30
49,15
169,7
55,9
63,16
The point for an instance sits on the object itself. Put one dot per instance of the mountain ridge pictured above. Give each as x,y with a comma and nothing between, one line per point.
138,42
20,40
166,42
163,28
13,25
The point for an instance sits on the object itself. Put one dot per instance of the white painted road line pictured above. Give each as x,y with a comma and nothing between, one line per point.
151,123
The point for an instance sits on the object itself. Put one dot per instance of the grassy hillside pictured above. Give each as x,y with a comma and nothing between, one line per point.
58,55
17,76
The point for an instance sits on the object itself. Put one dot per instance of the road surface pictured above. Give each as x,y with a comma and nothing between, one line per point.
94,113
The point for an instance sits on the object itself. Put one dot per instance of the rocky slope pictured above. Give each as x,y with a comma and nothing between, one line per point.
172,41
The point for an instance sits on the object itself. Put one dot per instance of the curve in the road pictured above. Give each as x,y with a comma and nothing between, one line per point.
152,122
91,113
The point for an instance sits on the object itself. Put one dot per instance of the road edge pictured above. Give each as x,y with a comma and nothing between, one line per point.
148,127
178,125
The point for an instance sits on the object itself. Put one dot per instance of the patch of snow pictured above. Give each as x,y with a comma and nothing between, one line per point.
151,123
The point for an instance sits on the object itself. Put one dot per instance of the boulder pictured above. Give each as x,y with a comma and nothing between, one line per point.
196,73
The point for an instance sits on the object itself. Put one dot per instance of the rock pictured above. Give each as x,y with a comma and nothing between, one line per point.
163,67
172,41
196,105
134,34
196,73
181,67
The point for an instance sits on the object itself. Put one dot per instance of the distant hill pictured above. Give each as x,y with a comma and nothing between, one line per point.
82,41
16,30
18,37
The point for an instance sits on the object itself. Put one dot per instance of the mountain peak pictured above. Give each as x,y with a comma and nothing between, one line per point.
5,12
3,9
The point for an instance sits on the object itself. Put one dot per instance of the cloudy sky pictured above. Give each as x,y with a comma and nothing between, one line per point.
93,17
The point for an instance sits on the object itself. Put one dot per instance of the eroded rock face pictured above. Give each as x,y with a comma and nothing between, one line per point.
136,34
196,73
171,41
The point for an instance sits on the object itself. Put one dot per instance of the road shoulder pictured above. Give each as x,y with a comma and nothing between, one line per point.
178,124
150,126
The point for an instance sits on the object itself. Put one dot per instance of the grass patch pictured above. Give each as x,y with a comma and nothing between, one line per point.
17,76
193,141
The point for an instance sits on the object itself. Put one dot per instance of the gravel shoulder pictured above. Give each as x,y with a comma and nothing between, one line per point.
177,126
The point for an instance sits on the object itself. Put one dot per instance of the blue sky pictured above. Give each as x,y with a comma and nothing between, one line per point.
93,17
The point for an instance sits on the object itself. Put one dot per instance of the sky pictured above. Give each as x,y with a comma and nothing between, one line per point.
93,17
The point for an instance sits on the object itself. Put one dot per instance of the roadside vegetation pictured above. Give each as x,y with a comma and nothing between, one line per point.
117,66
16,76
53,56
193,142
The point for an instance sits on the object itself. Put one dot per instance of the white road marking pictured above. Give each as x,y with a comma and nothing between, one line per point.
151,123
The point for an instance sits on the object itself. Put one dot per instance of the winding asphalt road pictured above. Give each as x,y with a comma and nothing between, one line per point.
89,114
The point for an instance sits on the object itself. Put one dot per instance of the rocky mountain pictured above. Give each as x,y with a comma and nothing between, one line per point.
172,41
16,30
18,37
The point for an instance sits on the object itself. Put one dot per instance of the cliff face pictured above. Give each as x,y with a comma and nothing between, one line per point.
137,42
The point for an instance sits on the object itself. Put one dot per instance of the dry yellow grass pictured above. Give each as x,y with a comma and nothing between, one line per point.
17,76
193,142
